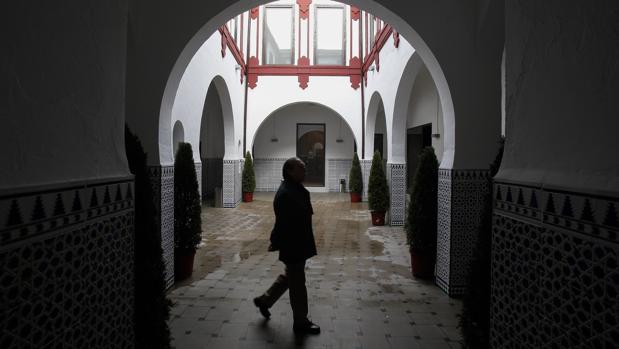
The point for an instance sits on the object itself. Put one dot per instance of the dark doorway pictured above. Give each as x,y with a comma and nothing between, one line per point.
311,149
378,144
417,138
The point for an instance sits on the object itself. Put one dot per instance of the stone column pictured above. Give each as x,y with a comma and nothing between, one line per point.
199,178
366,165
461,195
162,180
396,176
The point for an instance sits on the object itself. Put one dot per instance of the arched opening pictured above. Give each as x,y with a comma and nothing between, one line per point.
315,133
376,128
417,118
178,135
380,134
212,144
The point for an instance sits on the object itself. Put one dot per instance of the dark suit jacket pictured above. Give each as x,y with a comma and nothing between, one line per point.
292,234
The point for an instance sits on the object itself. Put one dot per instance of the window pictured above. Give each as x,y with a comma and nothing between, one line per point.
330,36
233,28
371,34
278,35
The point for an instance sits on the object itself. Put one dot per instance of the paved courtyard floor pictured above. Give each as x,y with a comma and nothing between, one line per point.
360,288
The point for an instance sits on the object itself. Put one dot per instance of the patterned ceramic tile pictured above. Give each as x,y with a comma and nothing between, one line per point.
67,267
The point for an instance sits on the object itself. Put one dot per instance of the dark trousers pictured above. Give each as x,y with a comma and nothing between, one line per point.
294,280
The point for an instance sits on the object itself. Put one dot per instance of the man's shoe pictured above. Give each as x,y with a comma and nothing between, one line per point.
264,310
306,328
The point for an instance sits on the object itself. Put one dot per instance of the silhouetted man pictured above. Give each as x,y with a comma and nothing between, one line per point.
293,237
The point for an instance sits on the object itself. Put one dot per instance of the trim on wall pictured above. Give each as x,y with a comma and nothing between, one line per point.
554,277
66,256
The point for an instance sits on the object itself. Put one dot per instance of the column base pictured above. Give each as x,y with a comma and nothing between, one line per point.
162,181
461,195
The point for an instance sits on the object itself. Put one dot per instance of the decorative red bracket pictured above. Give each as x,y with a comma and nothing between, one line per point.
303,75
304,8
355,13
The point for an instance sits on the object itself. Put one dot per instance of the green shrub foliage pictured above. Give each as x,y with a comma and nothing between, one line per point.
475,320
355,180
249,177
187,221
378,191
152,307
421,219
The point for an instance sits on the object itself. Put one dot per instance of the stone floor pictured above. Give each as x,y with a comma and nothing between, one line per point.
360,287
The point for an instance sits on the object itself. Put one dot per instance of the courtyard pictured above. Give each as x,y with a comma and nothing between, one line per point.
360,287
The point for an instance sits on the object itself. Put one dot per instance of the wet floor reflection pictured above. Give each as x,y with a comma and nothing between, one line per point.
360,286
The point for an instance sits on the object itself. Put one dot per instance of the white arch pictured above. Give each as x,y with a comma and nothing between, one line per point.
178,135
404,28
400,109
207,68
343,100
264,122
227,114
374,106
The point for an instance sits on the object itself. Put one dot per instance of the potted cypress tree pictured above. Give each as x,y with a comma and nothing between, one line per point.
355,180
152,306
249,179
187,210
421,221
378,191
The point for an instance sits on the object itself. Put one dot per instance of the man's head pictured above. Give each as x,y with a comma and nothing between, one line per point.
294,170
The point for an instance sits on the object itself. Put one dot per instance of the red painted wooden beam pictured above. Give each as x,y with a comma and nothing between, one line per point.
236,52
380,41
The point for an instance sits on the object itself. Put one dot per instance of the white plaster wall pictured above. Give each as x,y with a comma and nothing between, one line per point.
562,79
286,120
385,81
190,99
275,92
63,96
424,108
456,51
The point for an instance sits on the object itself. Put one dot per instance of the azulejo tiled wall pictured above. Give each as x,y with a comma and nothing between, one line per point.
66,255
396,175
337,169
554,267
232,183
162,181
268,173
460,204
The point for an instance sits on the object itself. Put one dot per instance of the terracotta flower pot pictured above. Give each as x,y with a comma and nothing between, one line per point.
183,266
355,197
378,217
248,196
422,264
